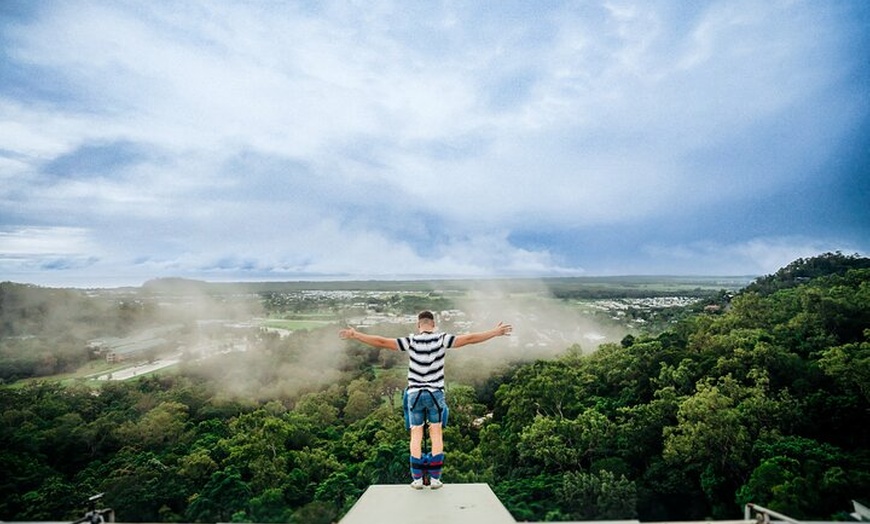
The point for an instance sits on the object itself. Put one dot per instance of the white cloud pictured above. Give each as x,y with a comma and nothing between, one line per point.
754,256
41,241
267,135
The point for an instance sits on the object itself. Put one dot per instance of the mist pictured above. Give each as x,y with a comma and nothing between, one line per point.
315,365
270,365
216,332
543,328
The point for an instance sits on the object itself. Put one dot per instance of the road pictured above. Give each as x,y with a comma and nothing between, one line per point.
140,369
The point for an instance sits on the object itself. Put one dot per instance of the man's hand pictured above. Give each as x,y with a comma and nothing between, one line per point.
347,333
503,329
483,336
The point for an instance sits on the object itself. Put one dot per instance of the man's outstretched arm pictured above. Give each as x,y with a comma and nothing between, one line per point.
482,336
372,340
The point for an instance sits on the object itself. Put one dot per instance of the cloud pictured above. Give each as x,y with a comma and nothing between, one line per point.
50,249
252,139
754,256
45,241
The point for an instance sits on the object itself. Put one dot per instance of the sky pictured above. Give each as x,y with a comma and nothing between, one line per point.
338,140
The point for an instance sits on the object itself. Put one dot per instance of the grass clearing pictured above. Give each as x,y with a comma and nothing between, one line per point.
297,324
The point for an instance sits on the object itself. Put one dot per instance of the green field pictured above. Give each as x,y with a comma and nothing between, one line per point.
298,324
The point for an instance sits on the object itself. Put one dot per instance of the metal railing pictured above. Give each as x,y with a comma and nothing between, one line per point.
94,515
763,515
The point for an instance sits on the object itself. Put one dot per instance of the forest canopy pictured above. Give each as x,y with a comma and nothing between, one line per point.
766,400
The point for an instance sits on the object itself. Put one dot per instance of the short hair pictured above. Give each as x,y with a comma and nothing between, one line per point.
426,315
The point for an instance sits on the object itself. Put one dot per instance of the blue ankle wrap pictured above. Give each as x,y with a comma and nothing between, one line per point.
435,464
418,465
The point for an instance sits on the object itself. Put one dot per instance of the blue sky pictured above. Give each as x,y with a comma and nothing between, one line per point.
390,139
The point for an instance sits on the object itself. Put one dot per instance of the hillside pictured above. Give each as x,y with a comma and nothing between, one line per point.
764,400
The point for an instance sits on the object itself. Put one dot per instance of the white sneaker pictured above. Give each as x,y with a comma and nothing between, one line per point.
417,484
435,483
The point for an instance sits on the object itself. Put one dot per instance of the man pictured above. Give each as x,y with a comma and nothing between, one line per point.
424,399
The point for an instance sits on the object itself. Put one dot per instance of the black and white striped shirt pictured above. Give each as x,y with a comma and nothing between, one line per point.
426,352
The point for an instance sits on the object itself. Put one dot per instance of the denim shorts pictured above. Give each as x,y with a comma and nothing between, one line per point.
428,406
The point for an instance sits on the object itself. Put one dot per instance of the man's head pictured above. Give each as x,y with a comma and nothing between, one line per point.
425,321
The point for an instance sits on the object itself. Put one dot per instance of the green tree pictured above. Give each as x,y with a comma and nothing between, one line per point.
849,366
339,491
223,496
560,444
269,506
257,449
362,399
164,425
139,483
316,512
529,497
800,477
54,496
602,496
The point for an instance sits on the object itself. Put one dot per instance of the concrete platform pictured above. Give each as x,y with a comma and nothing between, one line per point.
465,503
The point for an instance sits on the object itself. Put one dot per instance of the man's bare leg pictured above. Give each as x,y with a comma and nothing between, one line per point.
436,435
416,460
436,458
416,447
